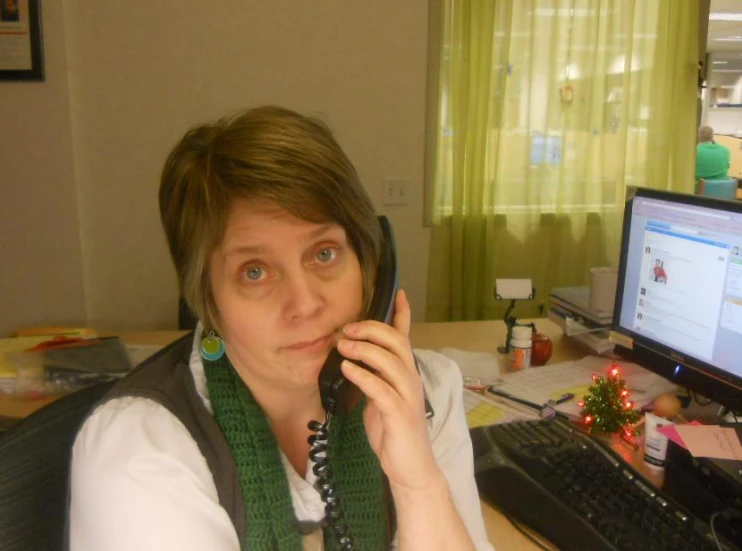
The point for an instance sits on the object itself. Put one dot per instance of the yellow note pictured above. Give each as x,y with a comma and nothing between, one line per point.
483,414
15,344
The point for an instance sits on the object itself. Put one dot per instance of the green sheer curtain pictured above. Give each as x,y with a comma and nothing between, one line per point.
546,111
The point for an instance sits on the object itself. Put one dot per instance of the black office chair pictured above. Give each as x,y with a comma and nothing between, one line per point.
34,471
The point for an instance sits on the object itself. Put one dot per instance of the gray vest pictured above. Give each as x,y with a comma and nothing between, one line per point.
166,378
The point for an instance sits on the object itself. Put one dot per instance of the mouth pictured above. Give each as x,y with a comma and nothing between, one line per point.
316,344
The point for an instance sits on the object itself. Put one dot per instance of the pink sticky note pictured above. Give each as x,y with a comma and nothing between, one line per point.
711,441
670,432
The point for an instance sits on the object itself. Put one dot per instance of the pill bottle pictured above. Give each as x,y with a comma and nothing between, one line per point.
520,348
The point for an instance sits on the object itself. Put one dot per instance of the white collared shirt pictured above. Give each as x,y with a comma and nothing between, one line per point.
140,483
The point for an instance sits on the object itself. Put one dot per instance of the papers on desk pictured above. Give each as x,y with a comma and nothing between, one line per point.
8,368
41,365
569,308
485,410
475,364
705,440
549,382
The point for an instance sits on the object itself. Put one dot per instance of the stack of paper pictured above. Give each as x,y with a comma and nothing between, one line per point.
481,365
482,410
705,440
550,382
577,301
570,309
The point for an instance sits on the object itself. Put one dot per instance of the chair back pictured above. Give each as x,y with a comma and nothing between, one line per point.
35,457
723,189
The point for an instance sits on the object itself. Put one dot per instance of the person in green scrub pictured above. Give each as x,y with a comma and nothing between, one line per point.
712,159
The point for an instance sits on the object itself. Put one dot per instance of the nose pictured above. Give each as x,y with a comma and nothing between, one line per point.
303,296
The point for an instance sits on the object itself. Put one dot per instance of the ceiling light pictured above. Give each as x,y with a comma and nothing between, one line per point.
725,17
720,62
729,39
727,70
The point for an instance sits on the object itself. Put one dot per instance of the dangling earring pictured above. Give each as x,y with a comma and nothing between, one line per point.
212,347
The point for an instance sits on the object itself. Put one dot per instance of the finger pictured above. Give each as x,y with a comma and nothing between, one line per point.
382,335
376,389
402,313
405,382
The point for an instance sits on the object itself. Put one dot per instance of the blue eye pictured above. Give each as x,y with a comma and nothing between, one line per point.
254,273
326,255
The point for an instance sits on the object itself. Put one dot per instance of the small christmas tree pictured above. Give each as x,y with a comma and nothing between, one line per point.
607,408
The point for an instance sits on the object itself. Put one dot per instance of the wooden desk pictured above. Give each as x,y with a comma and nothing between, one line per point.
477,336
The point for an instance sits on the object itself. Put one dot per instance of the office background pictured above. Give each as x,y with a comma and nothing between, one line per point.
79,233
80,239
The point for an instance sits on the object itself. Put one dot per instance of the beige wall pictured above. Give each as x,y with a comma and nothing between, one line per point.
133,79
41,277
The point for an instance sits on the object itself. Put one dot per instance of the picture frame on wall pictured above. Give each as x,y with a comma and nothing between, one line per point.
21,45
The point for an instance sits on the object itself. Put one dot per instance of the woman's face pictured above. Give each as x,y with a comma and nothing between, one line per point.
284,288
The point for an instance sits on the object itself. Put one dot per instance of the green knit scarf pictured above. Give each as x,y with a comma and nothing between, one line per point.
271,524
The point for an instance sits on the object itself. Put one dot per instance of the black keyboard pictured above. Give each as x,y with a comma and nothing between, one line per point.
578,493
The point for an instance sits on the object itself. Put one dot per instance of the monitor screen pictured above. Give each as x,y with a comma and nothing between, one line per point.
678,307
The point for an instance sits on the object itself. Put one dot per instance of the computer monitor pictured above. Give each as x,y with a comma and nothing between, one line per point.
678,309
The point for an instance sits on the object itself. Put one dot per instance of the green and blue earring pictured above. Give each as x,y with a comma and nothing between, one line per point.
212,347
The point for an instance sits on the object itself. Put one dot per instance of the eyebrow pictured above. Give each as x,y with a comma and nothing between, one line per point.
258,249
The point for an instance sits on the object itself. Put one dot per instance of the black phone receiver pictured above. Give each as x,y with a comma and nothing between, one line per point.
339,396
337,393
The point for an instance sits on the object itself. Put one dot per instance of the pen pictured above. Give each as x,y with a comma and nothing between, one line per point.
564,398
496,392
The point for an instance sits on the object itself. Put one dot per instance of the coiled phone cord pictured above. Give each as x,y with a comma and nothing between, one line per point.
323,471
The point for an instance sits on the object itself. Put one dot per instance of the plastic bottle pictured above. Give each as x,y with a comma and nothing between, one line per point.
520,348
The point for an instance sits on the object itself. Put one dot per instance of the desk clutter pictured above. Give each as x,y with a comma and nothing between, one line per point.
59,360
544,471
570,308
551,382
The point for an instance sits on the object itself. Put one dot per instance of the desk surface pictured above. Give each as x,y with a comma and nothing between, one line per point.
477,336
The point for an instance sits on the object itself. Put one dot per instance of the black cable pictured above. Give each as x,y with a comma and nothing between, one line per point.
713,530
517,525
724,513
327,491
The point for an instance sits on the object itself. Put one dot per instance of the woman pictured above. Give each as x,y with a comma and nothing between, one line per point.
276,247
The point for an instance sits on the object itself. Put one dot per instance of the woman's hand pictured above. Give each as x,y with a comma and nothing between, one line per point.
395,412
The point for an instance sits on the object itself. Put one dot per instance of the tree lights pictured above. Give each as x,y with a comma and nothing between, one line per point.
607,408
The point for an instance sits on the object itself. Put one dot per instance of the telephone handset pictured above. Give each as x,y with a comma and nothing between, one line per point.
337,393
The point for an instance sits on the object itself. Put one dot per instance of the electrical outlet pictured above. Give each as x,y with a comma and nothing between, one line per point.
396,191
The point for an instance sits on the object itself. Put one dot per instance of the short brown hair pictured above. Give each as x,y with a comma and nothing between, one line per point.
264,154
